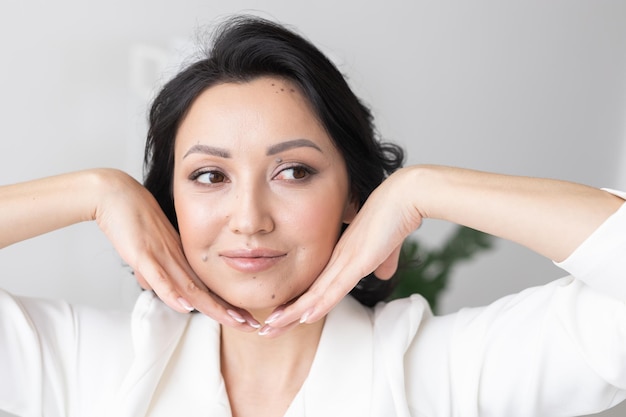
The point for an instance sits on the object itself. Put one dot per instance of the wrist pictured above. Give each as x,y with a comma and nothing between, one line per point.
102,186
428,185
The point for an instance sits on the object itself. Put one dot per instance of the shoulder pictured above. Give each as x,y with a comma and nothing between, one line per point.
55,347
67,332
50,317
401,319
387,321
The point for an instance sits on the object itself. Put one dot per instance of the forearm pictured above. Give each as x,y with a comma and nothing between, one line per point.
550,217
36,207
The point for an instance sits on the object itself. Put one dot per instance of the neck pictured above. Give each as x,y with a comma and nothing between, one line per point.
260,354
268,369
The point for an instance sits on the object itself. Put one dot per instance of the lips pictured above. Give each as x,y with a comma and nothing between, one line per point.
252,260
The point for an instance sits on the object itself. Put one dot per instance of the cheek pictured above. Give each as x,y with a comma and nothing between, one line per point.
196,226
317,224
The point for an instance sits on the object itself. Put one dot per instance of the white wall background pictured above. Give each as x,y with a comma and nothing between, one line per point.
524,87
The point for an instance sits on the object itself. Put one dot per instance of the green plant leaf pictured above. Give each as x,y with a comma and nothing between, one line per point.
427,271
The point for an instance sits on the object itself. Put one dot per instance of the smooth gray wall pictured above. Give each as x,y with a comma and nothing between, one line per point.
525,87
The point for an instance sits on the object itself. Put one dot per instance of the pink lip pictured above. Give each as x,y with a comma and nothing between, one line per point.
251,260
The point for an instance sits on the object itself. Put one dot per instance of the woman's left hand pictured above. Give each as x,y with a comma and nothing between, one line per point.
547,216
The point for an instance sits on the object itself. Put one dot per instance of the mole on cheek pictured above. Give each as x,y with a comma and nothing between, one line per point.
273,296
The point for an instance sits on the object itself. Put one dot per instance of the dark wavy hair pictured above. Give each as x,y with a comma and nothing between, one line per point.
244,48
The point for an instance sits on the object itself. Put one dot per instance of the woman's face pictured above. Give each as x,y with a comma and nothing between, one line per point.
260,192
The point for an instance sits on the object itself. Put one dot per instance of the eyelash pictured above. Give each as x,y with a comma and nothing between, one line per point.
307,170
198,173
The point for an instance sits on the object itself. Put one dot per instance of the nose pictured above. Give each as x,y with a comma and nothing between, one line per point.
250,210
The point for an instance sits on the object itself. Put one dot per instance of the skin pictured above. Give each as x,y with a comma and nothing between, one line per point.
260,192
276,187
262,204
550,217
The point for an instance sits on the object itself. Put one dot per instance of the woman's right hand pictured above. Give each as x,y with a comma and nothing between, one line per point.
131,219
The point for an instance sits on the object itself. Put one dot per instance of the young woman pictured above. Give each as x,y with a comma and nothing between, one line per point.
258,158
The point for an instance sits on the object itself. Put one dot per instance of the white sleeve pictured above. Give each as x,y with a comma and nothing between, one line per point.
30,366
554,350
55,359
600,261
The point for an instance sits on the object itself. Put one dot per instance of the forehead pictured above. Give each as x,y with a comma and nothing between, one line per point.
266,109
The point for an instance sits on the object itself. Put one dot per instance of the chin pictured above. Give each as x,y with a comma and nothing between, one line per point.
261,302
257,304
261,293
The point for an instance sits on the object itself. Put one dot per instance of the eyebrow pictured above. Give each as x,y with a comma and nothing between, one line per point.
290,144
271,150
209,150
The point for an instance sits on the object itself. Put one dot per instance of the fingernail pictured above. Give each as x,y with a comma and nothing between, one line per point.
236,316
185,304
272,317
306,316
254,323
265,330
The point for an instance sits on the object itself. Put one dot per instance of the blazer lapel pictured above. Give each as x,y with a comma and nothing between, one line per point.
340,380
177,366
192,383
156,330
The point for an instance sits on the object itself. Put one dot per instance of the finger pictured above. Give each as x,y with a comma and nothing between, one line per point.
176,284
250,320
215,307
141,280
389,266
212,305
342,273
327,291
273,332
152,276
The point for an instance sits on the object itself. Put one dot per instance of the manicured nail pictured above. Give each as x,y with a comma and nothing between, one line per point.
185,304
265,330
306,316
272,317
236,316
254,323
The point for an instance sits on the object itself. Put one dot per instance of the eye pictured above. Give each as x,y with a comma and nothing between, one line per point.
208,177
298,172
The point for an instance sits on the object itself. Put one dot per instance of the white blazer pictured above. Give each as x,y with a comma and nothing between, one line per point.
554,350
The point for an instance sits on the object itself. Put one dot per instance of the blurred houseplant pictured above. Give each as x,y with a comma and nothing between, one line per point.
426,270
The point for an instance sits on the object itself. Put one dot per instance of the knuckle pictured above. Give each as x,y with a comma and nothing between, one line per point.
161,284
191,287
167,294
